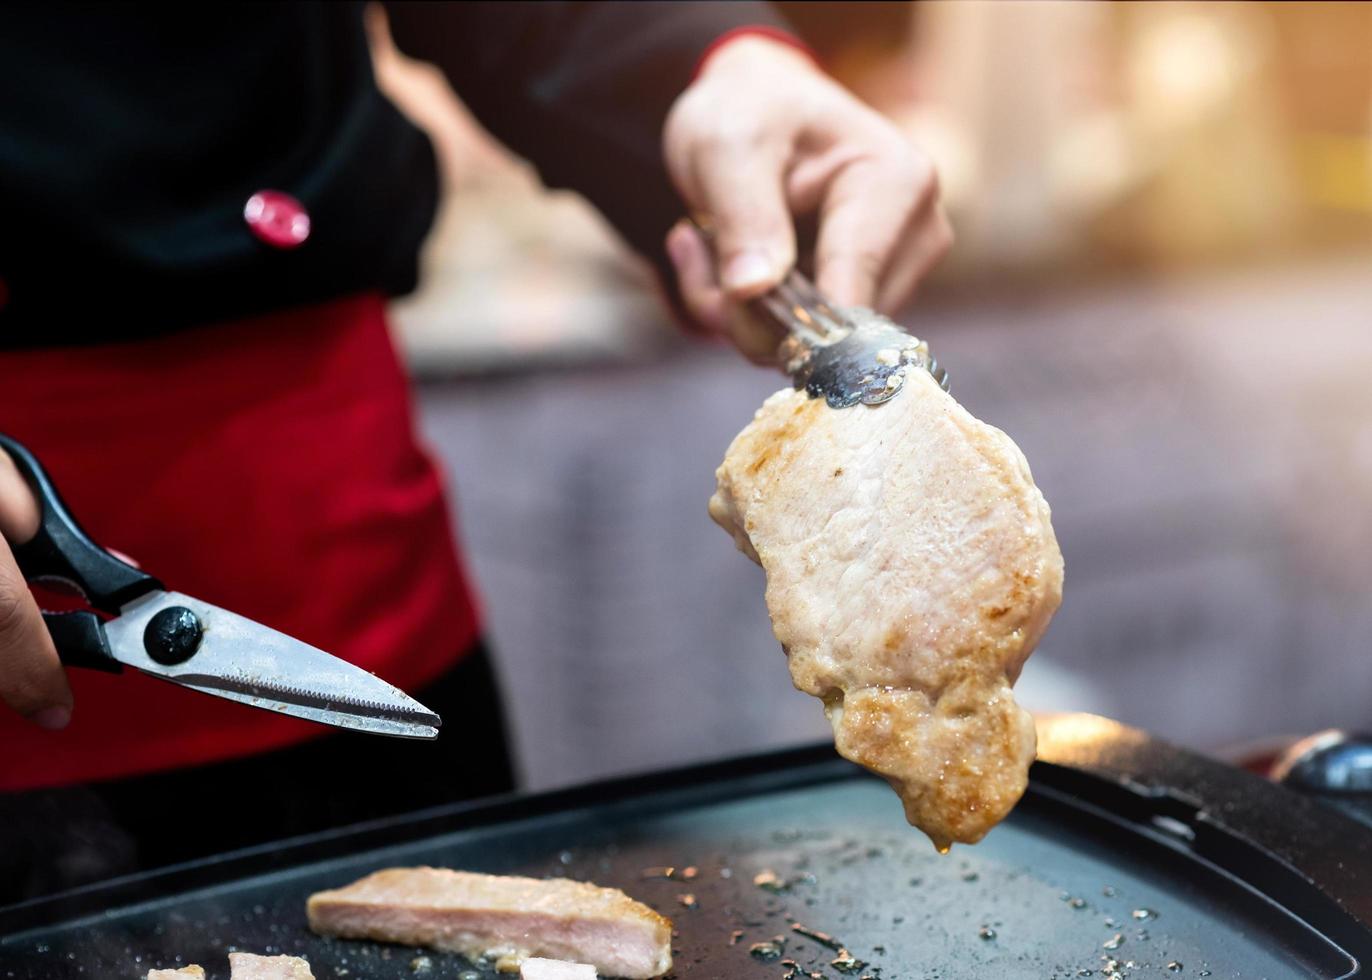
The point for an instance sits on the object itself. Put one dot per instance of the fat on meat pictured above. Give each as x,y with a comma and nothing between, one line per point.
911,568
537,968
508,919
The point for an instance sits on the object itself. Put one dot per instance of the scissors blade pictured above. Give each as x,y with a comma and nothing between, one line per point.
255,665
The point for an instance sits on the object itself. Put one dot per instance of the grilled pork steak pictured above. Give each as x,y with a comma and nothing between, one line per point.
508,919
911,568
247,966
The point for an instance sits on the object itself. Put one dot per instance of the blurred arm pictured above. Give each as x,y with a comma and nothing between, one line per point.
582,90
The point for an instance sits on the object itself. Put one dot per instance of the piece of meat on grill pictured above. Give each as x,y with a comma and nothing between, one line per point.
249,966
537,968
191,972
507,919
911,568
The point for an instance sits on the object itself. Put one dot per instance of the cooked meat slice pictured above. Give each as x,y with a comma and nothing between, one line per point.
508,919
248,966
191,972
537,968
911,568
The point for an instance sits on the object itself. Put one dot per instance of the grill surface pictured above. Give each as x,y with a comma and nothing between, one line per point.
1105,867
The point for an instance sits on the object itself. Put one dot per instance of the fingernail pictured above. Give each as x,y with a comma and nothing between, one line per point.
53,719
747,270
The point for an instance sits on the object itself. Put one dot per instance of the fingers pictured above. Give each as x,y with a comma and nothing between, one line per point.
878,207
728,142
695,272
735,179
754,239
707,303
760,134
32,680
920,250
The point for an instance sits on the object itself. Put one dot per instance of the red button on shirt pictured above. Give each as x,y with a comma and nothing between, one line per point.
277,219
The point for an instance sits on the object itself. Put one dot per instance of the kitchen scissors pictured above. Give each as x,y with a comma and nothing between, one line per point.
184,640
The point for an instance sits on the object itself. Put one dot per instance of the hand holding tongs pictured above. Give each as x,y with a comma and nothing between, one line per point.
181,639
849,355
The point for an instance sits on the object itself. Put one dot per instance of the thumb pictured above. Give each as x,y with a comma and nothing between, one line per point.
742,192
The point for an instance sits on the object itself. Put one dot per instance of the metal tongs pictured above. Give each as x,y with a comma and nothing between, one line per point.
848,355
181,639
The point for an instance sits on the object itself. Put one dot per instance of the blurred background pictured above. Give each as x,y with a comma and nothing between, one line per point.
1162,290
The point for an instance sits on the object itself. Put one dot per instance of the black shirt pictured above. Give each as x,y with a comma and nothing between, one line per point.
132,136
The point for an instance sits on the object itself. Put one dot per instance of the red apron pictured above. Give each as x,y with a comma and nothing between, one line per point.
269,466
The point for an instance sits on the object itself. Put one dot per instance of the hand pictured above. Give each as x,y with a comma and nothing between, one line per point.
32,681
762,135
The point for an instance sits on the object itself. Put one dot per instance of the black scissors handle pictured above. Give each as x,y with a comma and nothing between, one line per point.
61,550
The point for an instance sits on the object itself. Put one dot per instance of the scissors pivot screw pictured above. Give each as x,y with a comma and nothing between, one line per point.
173,635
